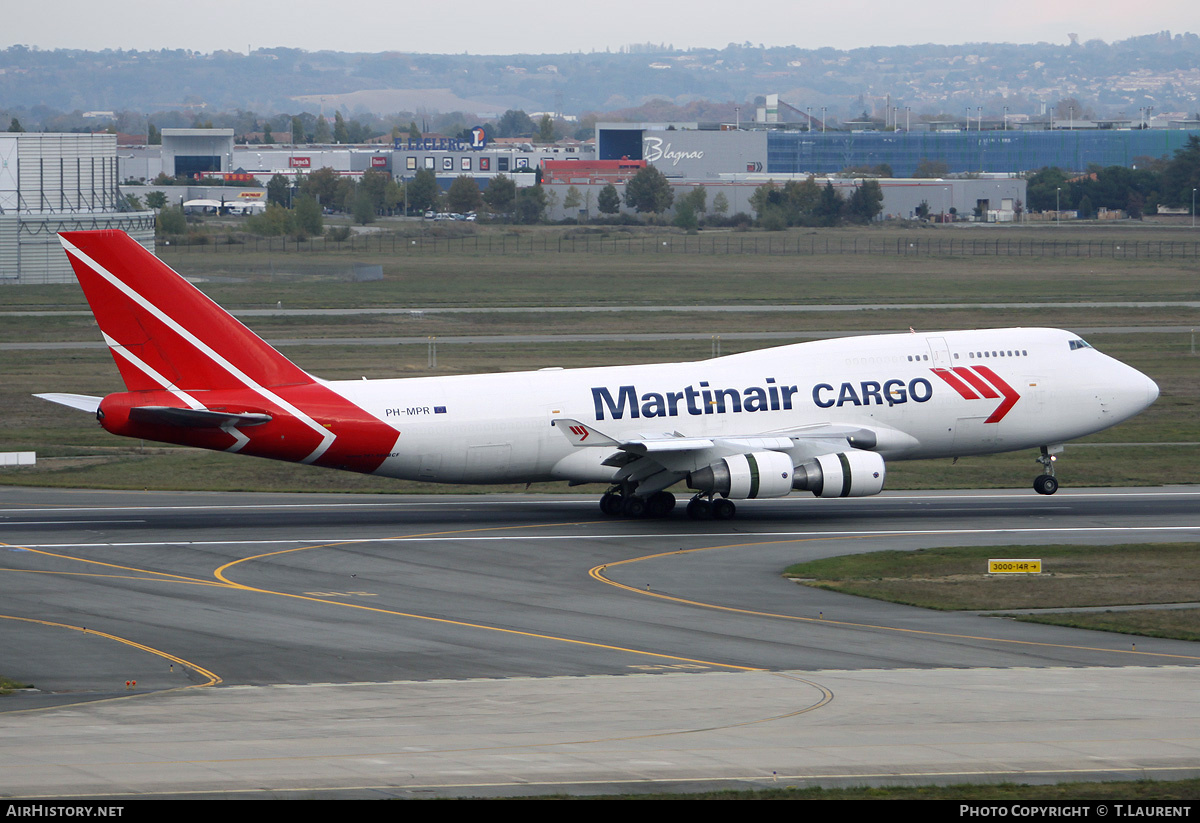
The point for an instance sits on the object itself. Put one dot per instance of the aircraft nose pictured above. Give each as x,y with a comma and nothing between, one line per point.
1137,390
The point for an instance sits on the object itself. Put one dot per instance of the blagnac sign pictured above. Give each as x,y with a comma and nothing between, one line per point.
653,150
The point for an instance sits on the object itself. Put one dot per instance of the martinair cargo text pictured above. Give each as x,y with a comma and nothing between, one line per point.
823,417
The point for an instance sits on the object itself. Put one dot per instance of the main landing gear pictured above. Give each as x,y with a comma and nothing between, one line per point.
1046,482
616,503
713,508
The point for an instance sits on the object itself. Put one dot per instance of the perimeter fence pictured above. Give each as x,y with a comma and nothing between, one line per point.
724,244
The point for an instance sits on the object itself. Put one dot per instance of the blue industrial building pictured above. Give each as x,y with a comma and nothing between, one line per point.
695,151
967,151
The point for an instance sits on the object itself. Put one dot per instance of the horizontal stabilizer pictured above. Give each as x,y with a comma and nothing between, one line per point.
83,402
195,418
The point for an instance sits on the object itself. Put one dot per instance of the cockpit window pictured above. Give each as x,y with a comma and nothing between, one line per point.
1080,344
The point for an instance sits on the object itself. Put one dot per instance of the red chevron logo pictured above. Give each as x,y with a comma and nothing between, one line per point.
981,383
581,432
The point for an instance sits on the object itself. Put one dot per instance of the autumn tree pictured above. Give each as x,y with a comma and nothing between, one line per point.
573,200
323,185
1182,173
931,169
501,194
277,189
649,191
464,195
609,201
423,191
531,204
307,217
515,123
322,134
866,202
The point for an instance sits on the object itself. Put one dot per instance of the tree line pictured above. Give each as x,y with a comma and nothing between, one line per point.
1140,190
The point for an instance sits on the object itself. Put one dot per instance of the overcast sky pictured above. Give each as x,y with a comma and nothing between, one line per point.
507,27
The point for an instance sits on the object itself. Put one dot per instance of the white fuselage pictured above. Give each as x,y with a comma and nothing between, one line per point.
1014,389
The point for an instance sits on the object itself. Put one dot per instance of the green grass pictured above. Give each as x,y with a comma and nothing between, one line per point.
1152,791
1175,624
1072,576
8,685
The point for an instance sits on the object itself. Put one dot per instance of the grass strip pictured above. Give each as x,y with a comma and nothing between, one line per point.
1151,791
1073,577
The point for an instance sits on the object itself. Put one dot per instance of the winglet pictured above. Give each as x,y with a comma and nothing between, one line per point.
581,434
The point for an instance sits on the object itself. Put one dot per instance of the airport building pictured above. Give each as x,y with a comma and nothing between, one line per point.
700,150
983,165
51,183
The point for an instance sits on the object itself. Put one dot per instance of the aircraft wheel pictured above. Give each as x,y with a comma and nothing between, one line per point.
1045,484
610,504
633,506
723,509
660,504
698,509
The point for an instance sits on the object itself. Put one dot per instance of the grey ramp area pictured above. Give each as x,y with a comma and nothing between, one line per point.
400,605
603,734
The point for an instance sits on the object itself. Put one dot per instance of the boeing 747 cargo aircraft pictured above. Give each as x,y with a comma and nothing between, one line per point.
825,417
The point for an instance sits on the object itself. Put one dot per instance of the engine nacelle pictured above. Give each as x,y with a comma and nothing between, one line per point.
745,476
845,474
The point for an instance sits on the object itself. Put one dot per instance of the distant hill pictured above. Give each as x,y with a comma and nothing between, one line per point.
387,101
1160,70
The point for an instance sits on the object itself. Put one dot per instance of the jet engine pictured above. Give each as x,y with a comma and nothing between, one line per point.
845,474
745,476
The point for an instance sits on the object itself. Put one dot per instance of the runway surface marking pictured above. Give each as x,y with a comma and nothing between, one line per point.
450,538
175,578
219,573
598,573
213,679
1064,495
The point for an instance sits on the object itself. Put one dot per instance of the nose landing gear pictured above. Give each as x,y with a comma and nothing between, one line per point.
1046,482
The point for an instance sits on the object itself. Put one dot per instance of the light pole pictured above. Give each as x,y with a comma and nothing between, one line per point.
822,119
1193,208
907,118
808,117
1057,210
1006,118
980,112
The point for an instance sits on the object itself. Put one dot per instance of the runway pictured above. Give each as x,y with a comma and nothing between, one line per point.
375,644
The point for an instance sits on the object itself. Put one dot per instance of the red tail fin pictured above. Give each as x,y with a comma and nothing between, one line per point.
162,331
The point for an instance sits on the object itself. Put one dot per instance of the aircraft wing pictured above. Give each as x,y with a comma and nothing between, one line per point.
805,441
661,459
